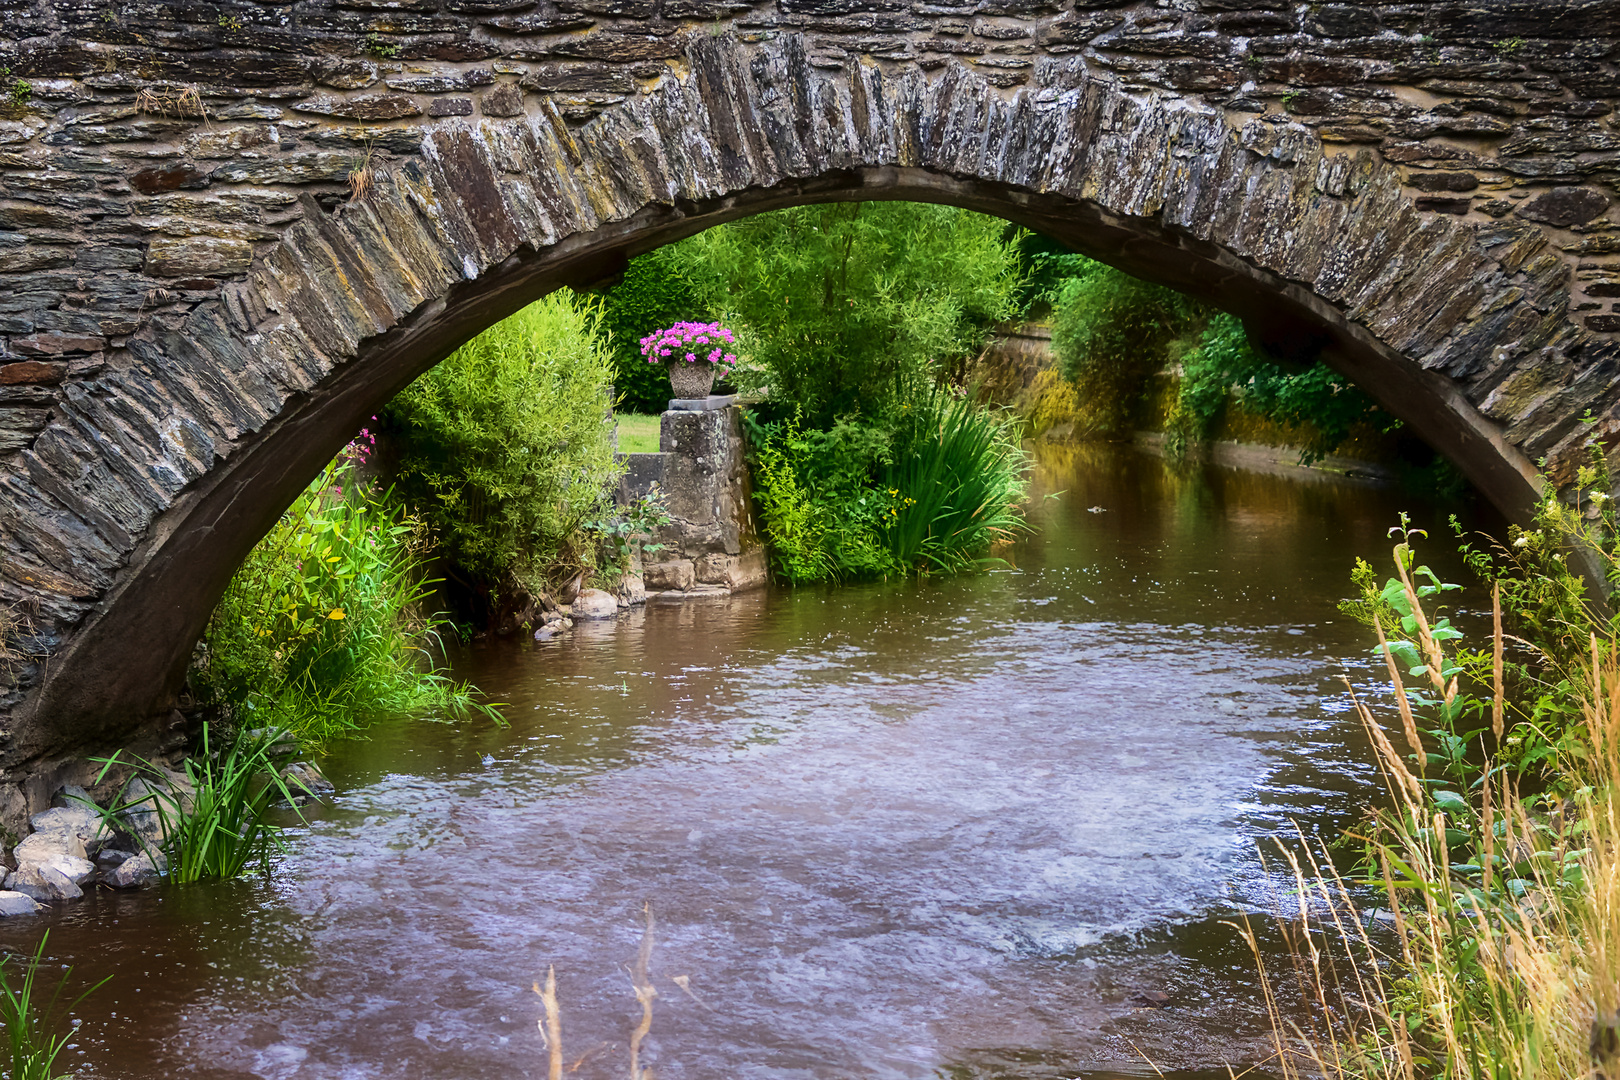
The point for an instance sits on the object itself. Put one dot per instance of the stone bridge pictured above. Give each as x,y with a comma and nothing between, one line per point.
230,230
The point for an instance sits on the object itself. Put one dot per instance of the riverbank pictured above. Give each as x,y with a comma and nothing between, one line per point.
1019,370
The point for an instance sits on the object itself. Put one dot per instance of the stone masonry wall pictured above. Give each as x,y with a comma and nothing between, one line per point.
712,542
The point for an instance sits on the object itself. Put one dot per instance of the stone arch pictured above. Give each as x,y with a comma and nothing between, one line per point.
122,519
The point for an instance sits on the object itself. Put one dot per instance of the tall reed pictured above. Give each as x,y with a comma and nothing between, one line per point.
958,474
219,821
1496,953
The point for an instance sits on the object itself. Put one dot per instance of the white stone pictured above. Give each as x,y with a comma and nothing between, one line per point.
16,903
133,873
595,604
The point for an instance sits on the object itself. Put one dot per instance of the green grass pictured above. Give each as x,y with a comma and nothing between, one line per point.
33,1021
223,824
638,434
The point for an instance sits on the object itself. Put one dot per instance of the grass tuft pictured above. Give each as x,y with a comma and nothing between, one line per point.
31,1038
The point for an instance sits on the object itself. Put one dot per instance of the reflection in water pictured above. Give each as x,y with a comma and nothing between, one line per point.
961,829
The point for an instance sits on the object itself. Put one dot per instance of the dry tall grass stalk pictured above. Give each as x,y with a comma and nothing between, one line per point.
550,1024
1507,968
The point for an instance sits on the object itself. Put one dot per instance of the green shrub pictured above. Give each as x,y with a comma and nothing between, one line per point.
321,627
657,291
849,308
932,490
506,447
1112,334
1316,398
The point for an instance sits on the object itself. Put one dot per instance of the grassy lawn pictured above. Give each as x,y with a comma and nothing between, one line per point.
638,434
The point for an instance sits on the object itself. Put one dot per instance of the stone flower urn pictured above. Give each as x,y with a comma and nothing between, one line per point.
693,353
692,379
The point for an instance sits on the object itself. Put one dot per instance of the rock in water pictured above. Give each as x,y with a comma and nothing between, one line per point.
595,604
133,873
16,903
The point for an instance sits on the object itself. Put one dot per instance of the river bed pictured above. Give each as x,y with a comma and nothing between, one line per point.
990,827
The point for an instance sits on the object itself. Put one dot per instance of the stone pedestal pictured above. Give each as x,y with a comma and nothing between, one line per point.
712,546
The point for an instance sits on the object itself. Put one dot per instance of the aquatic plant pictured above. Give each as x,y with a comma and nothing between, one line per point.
33,1044
931,490
550,1022
217,823
322,627
957,478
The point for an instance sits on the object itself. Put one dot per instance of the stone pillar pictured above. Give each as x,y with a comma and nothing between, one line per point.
712,546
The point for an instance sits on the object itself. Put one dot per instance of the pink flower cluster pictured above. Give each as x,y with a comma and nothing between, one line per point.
686,341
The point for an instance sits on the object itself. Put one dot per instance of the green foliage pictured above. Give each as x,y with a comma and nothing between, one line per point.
957,477
821,510
34,1046
215,830
657,291
1317,398
930,491
850,307
506,446
320,628
1111,334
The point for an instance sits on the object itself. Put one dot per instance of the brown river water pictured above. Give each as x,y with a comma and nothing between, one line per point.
990,827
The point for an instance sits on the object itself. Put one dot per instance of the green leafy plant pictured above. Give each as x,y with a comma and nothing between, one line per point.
956,476
630,528
931,490
380,47
1316,400
34,1045
506,447
322,627
218,822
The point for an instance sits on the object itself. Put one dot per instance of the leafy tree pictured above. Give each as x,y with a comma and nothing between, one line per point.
1111,334
1317,398
657,291
848,308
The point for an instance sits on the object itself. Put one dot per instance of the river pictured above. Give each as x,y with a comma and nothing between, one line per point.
990,827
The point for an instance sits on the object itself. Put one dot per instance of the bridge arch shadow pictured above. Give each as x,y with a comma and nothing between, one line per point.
236,409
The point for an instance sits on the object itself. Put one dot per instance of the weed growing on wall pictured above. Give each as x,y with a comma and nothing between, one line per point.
1315,399
506,447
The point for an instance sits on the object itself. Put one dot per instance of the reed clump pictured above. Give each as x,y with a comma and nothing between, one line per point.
1479,936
